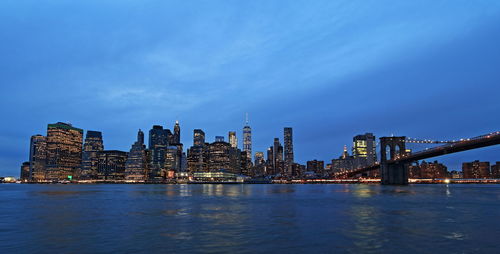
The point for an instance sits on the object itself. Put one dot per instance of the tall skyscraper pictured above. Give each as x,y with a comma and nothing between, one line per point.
64,151
247,139
137,164
197,157
157,136
93,144
278,156
140,136
288,140
232,139
177,133
38,158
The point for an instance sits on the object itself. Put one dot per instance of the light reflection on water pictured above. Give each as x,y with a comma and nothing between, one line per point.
249,218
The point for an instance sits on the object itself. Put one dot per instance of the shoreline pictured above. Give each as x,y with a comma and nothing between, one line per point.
308,181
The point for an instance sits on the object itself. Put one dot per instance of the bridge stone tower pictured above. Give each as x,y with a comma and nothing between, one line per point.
394,173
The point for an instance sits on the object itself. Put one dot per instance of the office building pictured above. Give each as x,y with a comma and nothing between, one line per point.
64,151
233,141
495,170
93,144
137,164
25,171
364,150
111,165
38,158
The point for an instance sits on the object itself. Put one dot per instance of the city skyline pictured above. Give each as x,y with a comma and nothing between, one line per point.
62,154
330,73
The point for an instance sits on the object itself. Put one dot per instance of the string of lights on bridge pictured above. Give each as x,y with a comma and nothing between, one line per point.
422,141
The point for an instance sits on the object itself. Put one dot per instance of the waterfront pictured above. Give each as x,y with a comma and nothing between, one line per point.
249,218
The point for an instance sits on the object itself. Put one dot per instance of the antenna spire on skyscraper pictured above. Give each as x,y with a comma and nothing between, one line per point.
246,118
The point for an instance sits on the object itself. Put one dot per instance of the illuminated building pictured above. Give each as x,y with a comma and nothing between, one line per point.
259,158
219,138
38,157
278,163
241,160
197,156
177,134
160,146
64,151
172,160
111,165
476,169
196,159
217,176
198,137
158,154
157,136
343,163
247,139
93,144
428,170
219,156
495,170
259,168
364,150
316,166
25,171
137,164
288,142
233,141
270,161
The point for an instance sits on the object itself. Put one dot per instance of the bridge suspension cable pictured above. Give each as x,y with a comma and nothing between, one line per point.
430,141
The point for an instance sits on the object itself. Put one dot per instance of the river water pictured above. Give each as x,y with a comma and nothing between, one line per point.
249,218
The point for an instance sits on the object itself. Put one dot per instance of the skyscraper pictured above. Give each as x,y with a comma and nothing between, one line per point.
247,139
157,136
259,158
25,171
93,144
177,133
38,157
137,164
198,137
64,151
197,157
278,157
232,139
111,165
288,140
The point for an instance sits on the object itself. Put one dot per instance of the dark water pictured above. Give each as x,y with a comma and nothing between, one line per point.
249,218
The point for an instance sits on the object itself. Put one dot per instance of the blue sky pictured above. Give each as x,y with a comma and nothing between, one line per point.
329,69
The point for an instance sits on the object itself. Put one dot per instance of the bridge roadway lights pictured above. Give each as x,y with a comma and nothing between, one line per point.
394,174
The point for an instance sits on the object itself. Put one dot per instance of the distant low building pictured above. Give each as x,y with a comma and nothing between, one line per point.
316,166
25,171
495,170
476,169
428,170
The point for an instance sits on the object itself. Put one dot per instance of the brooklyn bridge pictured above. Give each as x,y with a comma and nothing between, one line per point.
395,159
